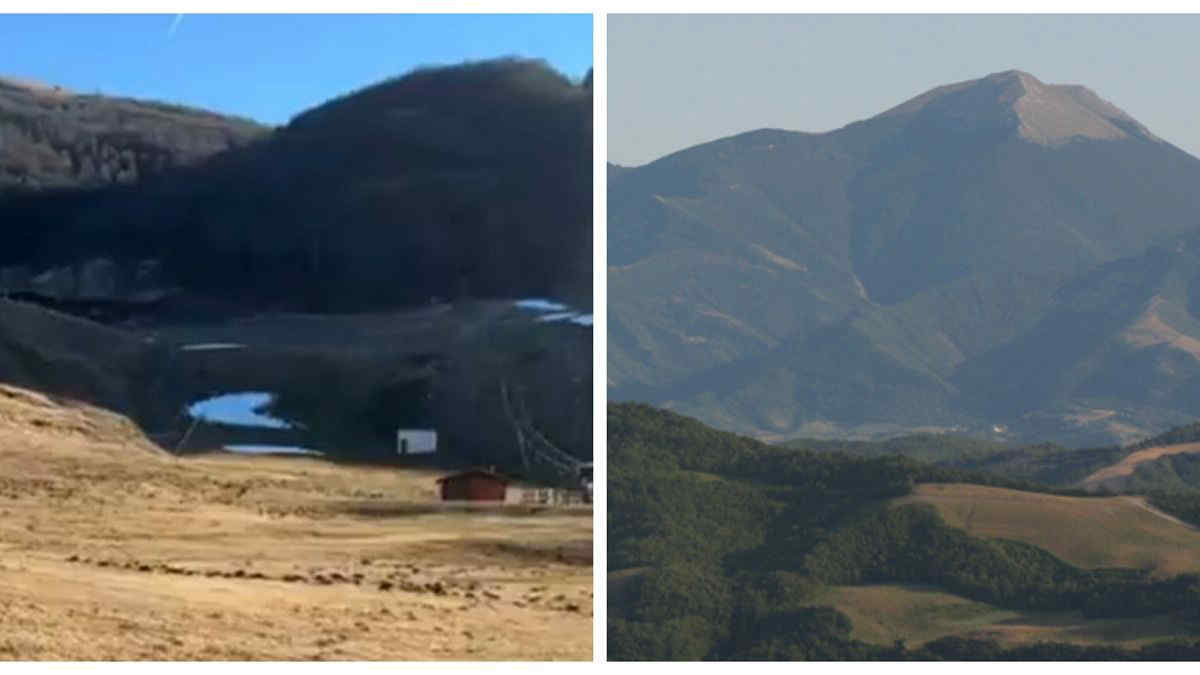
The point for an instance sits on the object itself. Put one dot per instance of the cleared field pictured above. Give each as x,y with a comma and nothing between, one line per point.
113,550
1129,464
1084,531
884,613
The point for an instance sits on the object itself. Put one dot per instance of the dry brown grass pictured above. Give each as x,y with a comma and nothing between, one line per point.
111,549
1150,330
884,613
1088,532
1129,464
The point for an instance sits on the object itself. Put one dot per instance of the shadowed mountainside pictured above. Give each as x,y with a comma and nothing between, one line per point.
472,180
329,249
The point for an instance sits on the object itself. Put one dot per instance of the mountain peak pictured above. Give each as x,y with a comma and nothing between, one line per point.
1012,75
1047,114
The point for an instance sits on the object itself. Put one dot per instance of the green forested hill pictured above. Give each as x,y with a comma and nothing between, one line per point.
727,548
926,447
1041,463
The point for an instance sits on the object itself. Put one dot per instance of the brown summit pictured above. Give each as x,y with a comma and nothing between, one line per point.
1047,114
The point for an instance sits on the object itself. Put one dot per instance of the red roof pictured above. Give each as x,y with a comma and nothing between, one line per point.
475,472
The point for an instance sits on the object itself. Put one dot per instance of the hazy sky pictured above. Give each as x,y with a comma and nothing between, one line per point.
675,81
270,67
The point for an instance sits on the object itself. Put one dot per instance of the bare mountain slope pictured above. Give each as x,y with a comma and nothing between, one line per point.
1048,114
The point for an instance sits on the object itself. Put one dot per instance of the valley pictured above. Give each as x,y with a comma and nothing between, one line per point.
927,547
406,368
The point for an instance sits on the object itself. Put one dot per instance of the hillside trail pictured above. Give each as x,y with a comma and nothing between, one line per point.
1141,502
112,549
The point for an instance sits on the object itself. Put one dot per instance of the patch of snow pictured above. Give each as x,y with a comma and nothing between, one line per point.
541,305
572,317
211,346
271,450
554,311
242,408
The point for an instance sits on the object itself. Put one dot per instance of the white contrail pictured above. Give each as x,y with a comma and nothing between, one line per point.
174,24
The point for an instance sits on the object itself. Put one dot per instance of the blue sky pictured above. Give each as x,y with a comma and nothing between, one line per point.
270,67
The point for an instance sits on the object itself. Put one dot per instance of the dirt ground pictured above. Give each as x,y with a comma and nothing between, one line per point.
113,550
